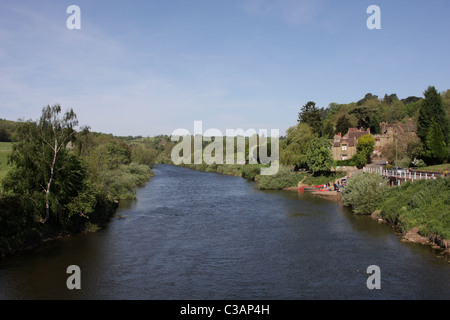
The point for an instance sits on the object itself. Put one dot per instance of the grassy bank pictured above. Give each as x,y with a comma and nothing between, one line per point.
423,205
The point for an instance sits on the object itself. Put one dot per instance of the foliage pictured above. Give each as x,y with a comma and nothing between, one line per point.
405,146
284,178
251,171
423,204
328,129
40,157
5,150
436,149
324,178
419,163
364,193
58,182
312,116
7,130
432,110
343,124
366,145
319,157
298,141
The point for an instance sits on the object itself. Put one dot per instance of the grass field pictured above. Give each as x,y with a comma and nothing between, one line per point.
439,167
5,149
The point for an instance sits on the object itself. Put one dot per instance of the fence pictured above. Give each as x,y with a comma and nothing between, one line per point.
399,175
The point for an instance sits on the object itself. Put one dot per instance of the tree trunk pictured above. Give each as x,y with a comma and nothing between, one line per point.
47,191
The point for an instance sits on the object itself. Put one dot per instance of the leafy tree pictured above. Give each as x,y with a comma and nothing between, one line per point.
403,147
312,116
436,149
389,99
366,145
40,155
366,98
367,118
328,129
298,141
319,157
432,110
342,124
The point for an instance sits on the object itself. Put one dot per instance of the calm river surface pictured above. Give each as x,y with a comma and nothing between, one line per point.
196,235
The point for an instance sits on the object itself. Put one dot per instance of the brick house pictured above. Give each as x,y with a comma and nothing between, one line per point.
344,147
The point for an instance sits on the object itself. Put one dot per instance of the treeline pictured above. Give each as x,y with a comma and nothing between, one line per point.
306,147
369,112
429,117
65,181
7,130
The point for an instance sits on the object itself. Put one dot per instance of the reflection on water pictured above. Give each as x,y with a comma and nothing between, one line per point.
196,235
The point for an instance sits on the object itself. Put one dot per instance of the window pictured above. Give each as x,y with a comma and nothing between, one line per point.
344,147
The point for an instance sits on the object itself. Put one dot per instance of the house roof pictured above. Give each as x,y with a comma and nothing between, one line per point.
351,137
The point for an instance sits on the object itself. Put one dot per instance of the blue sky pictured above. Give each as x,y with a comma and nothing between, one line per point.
150,67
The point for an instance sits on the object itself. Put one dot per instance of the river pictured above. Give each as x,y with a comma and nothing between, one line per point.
196,235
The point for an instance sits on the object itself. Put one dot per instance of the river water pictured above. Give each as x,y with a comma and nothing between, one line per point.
197,235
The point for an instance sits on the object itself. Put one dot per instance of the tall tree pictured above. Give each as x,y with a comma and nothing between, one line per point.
432,110
342,125
319,157
366,145
312,116
367,118
328,129
436,149
298,141
40,156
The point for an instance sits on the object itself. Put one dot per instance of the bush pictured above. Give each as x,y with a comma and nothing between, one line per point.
365,192
251,171
416,205
284,178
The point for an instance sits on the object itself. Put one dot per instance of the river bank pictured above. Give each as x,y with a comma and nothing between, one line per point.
409,235
413,236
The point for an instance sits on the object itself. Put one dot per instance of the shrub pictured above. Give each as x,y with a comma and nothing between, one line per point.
364,192
423,204
251,171
284,178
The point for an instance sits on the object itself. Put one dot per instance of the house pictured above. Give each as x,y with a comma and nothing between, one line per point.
389,132
344,147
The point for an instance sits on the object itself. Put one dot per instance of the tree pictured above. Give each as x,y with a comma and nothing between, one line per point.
432,109
389,99
367,118
328,129
366,145
319,157
436,149
312,116
342,124
298,141
40,157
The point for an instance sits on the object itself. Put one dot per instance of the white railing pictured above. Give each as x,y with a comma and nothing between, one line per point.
407,175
